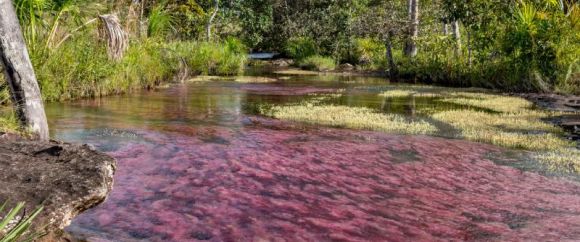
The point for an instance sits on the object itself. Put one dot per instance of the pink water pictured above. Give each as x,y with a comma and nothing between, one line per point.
211,171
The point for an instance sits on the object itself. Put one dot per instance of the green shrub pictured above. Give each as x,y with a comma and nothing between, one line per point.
370,53
76,69
208,58
300,48
318,63
81,68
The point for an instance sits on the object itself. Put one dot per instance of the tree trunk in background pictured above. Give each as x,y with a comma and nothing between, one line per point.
20,74
389,46
469,48
445,28
457,37
410,44
210,21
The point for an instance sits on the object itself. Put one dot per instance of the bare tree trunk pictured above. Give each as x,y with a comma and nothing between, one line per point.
445,28
210,21
410,44
389,46
20,74
457,37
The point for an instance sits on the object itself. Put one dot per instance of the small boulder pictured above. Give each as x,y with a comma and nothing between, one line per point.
65,179
346,67
282,62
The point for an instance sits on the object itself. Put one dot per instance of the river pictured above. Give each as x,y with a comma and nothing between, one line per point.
197,162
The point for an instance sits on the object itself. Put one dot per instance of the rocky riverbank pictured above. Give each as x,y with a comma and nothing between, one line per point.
65,179
568,104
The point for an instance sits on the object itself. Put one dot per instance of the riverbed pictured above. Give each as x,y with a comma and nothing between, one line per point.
197,161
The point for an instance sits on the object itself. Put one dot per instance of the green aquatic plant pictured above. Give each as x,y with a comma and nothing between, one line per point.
566,159
493,102
349,117
14,227
522,130
505,121
254,79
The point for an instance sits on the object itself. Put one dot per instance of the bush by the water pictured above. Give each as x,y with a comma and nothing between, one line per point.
300,48
210,58
80,68
318,63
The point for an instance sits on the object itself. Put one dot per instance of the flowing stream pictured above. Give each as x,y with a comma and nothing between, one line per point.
197,162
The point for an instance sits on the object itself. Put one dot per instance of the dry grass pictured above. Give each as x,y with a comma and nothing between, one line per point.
240,79
254,79
350,117
299,72
402,93
207,78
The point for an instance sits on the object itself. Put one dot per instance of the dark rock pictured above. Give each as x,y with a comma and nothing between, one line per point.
346,67
65,179
556,102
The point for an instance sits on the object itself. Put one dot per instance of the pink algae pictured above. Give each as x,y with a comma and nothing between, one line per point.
269,181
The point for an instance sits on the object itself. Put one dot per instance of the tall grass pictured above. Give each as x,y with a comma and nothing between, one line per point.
300,48
80,68
12,228
209,58
318,63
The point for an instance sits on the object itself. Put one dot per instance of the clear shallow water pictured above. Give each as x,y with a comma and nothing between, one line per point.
196,163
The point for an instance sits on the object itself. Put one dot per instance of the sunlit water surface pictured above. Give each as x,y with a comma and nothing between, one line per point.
195,162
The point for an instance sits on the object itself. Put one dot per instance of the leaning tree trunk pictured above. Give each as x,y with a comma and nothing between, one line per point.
210,21
410,44
457,37
20,74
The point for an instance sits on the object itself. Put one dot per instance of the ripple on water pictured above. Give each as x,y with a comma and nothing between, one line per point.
220,184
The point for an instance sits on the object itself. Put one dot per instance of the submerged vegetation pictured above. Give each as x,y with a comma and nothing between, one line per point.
350,117
505,121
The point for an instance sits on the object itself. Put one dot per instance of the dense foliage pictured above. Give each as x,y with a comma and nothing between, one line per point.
523,45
